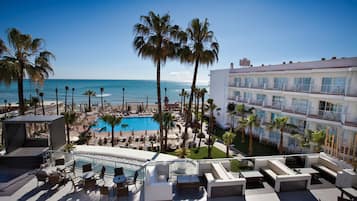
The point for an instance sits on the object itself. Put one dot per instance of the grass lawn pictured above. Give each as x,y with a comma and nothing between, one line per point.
202,153
259,149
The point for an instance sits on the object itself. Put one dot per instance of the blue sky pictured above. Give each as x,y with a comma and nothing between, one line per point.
93,39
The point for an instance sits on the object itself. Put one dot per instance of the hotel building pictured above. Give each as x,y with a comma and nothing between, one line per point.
314,95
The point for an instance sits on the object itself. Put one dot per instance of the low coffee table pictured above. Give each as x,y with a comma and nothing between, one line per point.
188,182
254,178
315,175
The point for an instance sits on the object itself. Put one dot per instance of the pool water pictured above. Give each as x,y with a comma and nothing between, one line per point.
128,124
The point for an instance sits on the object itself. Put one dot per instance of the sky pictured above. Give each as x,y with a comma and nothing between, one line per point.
93,39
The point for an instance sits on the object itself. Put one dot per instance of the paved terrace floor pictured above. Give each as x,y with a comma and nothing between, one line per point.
31,191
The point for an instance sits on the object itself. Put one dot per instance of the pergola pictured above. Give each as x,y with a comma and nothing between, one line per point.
15,136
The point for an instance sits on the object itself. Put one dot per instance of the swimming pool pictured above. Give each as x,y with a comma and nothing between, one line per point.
129,124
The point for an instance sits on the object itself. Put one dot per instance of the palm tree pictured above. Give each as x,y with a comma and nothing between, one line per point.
231,108
228,138
73,99
168,124
203,92
211,107
318,137
242,111
23,58
185,95
65,98
112,121
101,97
154,40
182,95
57,101
41,94
69,119
89,93
200,49
200,136
250,122
33,102
280,123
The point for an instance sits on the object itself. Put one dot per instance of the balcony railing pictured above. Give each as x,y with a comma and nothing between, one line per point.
327,115
295,110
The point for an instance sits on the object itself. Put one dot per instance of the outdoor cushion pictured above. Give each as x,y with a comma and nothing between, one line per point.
270,172
219,172
329,164
327,170
282,167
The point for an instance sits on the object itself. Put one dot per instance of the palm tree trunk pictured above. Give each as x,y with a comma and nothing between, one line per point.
112,135
72,101
199,143
35,111
158,88
209,134
20,86
202,110
43,107
68,140
166,131
227,150
250,141
189,113
89,105
65,102
281,141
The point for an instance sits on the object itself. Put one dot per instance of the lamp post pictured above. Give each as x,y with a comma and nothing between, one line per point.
65,100
57,101
5,108
101,96
123,100
72,99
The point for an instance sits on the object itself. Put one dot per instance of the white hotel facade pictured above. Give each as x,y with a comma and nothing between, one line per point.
314,95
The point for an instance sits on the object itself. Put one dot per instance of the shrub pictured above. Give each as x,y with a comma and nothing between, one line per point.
235,165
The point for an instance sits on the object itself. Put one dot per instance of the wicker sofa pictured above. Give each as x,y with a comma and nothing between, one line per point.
283,178
222,183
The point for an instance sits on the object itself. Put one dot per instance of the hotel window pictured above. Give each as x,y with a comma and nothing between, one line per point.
280,82
299,105
299,123
262,82
273,116
248,81
260,114
236,95
237,81
261,98
335,85
330,111
247,96
278,101
302,84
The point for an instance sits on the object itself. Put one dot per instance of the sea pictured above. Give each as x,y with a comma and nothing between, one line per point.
134,90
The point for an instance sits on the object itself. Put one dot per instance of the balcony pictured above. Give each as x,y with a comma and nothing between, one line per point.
327,115
295,110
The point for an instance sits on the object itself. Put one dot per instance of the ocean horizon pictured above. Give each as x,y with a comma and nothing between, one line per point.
135,90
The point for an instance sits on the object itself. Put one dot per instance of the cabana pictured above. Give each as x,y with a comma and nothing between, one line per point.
20,145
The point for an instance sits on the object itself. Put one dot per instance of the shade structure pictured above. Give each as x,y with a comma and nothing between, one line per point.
104,95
